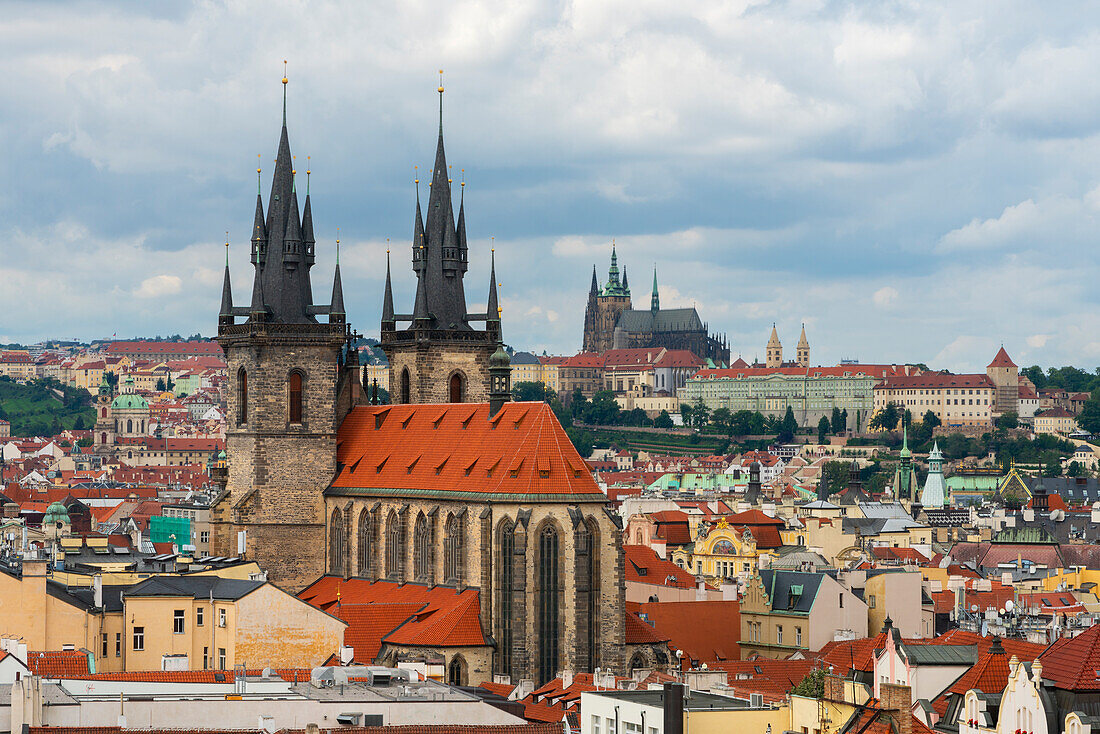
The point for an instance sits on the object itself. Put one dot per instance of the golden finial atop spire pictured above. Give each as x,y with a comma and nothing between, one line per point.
440,90
259,157
227,248
416,174
337,245
387,245
293,170
463,177
284,71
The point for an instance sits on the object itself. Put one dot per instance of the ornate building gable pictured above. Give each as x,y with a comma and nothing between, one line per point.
756,599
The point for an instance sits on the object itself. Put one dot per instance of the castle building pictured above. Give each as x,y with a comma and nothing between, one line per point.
453,486
610,322
1005,376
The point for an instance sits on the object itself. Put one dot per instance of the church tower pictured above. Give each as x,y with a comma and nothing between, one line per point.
774,353
291,380
610,303
591,315
802,351
440,357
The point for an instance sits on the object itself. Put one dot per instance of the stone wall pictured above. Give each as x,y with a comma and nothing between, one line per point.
482,524
277,471
431,366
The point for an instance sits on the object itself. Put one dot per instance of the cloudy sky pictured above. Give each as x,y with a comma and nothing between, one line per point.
914,181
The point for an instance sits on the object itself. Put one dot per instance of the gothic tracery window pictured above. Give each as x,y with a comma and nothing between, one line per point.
294,390
394,545
548,587
405,387
242,396
422,541
337,543
453,560
506,552
366,544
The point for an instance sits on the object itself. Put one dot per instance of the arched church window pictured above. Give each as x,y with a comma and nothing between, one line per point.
366,544
394,544
336,544
294,387
591,540
456,388
242,396
505,558
456,671
405,388
548,603
129,426
453,551
422,561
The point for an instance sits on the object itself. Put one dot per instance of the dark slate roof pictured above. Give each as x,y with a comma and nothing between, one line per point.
1074,490
667,319
84,598
947,517
781,584
524,358
198,587
942,654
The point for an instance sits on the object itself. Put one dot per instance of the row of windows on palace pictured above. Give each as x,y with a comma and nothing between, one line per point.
550,583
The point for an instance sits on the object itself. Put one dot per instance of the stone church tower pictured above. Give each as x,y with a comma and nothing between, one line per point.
602,313
802,351
773,355
440,357
290,385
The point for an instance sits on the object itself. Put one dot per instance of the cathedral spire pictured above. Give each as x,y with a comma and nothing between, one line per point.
336,313
595,289
491,311
655,299
626,282
387,298
225,315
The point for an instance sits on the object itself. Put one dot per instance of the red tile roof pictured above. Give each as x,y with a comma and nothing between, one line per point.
403,614
457,450
935,380
584,359
501,689
165,348
1055,413
1002,359
1071,663
58,663
707,631
639,632
989,675
852,370
643,565
752,517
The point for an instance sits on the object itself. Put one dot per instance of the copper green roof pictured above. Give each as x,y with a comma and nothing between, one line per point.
129,401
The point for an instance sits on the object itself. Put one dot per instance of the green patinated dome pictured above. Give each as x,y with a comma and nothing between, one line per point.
129,401
500,358
55,513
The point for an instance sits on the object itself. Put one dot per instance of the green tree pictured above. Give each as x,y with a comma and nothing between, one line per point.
742,422
579,404
161,387
1053,467
664,420
78,424
1008,419
1074,470
603,410
111,378
84,443
1090,414
722,418
835,476
836,423
700,413
812,684
823,426
886,419
525,392
788,427
686,414
1036,375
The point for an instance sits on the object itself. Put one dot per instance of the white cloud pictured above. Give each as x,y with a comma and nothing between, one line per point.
885,297
1037,341
159,285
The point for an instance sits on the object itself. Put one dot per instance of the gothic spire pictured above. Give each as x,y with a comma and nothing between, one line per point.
226,312
491,312
626,282
336,313
387,298
655,300
595,289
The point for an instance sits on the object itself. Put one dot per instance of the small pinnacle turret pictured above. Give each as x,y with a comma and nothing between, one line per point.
387,299
655,299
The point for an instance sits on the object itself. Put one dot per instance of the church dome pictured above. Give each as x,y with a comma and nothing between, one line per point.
129,401
55,513
500,359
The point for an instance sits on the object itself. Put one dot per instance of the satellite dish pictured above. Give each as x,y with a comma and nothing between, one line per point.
1002,611
1009,605
973,607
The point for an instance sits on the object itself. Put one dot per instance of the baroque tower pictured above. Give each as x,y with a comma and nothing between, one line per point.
440,357
774,352
292,378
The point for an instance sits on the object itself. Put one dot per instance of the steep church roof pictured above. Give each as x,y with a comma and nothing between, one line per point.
460,451
668,319
1002,359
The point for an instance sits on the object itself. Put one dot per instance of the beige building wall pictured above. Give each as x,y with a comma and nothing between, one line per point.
967,406
897,595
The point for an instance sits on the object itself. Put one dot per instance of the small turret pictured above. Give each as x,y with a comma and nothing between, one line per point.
336,313
500,370
388,322
225,314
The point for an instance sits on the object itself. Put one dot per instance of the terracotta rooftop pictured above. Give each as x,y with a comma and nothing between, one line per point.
460,451
707,631
934,380
58,663
643,565
1002,359
1071,663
